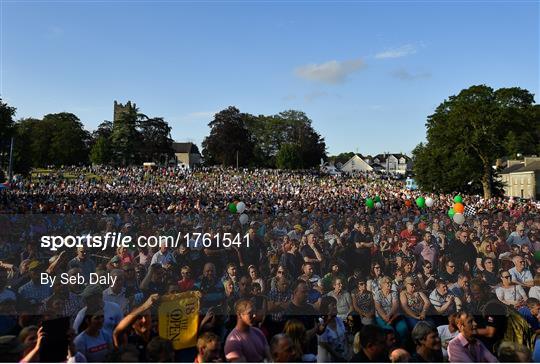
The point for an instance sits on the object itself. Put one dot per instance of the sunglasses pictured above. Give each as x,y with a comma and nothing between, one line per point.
506,277
451,266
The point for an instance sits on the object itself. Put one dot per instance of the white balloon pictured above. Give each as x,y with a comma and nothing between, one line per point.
378,205
244,219
459,219
240,207
429,202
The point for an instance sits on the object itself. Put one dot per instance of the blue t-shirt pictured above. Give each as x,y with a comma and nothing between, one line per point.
527,315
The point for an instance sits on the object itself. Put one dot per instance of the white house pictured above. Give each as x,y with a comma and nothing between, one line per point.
393,163
356,164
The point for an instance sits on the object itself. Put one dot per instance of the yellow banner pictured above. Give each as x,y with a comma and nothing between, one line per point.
179,319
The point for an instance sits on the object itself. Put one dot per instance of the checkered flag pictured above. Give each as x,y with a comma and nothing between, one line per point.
469,211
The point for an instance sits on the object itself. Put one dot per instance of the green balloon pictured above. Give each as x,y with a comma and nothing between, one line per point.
377,199
232,207
370,203
458,199
451,213
421,202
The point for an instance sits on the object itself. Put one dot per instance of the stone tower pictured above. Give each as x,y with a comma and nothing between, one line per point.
119,109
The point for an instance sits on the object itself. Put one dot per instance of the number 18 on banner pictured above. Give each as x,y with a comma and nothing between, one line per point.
179,319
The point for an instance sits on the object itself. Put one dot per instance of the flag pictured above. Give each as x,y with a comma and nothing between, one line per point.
469,211
179,319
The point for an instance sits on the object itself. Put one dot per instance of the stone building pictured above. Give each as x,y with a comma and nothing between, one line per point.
186,154
120,108
522,178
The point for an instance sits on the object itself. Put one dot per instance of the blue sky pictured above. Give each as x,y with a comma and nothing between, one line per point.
367,73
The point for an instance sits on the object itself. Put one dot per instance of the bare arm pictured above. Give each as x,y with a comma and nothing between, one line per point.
131,318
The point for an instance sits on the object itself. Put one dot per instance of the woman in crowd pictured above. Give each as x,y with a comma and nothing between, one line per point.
342,297
373,284
387,309
426,278
93,342
363,303
510,293
414,303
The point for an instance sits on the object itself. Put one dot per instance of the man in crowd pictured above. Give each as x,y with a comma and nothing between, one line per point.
245,343
465,348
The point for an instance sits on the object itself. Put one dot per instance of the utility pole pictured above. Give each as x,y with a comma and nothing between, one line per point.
10,168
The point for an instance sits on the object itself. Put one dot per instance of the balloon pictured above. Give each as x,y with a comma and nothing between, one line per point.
243,219
420,202
240,207
377,199
429,202
232,207
378,205
370,203
458,199
459,218
459,208
451,213
408,203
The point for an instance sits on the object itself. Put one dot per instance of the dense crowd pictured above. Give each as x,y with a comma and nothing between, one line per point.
325,278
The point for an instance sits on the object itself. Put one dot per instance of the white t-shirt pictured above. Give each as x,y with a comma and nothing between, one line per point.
446,336
534,292
112,316
513,293
336,340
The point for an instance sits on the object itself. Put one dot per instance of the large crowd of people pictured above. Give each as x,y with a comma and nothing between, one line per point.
325,278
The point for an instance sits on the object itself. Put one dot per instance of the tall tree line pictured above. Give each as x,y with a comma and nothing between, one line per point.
286,140
61,140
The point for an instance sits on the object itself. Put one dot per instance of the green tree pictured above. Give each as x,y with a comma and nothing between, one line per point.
287,127
25,146
289,157
229,138
101,151
156,141
69,141
6,132
126,139
467,133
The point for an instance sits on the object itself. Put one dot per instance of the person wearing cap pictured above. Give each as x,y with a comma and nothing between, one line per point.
33,291
296,233
93,298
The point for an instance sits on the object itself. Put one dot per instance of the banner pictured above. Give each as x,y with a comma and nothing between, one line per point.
179,319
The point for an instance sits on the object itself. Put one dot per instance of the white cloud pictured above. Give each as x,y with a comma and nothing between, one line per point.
405,75
332,72
402,51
